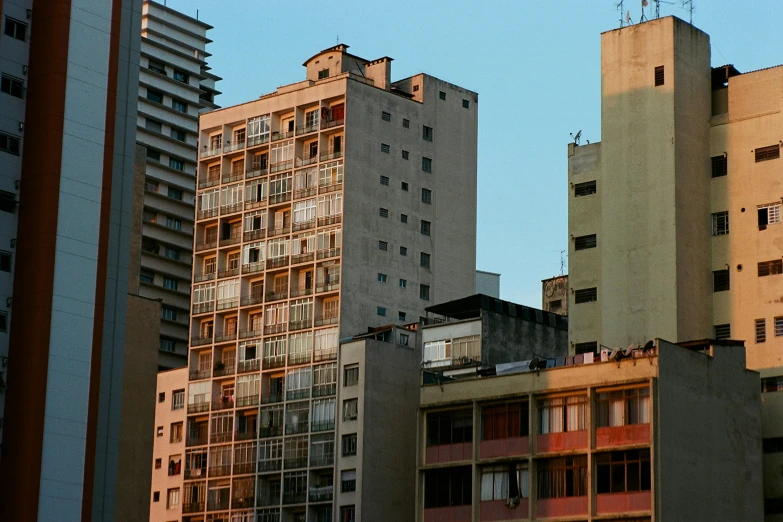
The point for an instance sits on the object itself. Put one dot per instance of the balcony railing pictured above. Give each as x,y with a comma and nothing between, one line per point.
272,397
273,431
298,462
324,355
299,358
299,292
228,272
323,425
217,505
243,502
300,426
332,123
321,494
323,321
251,365
303,225
293,395
222,369
277,262
281,165
270,465
193,473
306,129
333,187
250,268
256,172
219,471
209,181
196,375
282,197
223,403
300,325
209,213
322,460
230,147
243,468
321,391
205,153
304,192
203,308
328,252
198,407
201,340
196,441
206,245
230,209
250,332
221,437
223,337
233,239
243,402
193,507
198,278
332,155
245,435
252,235
253,298
306,160
257,140
330,220
276,296
228,303
274,361
275,328
278,135
302,258
234,175
295,497
265,498
278,231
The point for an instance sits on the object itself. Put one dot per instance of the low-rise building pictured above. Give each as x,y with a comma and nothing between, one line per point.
664,432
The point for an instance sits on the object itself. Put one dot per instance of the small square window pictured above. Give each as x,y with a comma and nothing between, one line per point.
722,331
424,292
403,283
349,445
404,185
384,180
720,223
465,104
171,283
584,189
156,496
158,463
381,310
381,278
348,513
585,242
425,227
9,143
424,261
767,153
3,321
384,212
323,73
178,134
181,76
174,193
351,375
159,431
426,164
442,95
350,409
403,251
586,295
15,29
405,154
162,397
383,245
401,316
385,116
154,96
12,86
720,280
761,331
153,154
385,148
179,106
720,166
778,326
403,218
588,347
415,88
157,67
426,133
426,196
5,261
406,123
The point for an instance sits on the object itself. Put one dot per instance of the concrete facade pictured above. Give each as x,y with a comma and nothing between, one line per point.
649,206
563,431
554,295
175,85
488,283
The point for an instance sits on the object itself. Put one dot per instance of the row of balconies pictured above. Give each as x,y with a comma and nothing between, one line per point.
273,264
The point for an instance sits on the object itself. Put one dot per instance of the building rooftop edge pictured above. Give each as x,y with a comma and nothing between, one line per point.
179,13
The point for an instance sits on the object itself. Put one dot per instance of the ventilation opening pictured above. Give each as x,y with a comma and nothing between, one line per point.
659,76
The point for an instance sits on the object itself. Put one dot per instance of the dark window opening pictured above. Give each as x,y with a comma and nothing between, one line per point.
585,242
586,295
767,153
584,189
720,280
659,77
720,166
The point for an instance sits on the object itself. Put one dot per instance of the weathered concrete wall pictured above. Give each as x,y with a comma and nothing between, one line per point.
708,436
508,339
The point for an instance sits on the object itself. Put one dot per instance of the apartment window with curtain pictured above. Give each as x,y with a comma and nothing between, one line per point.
562,477
562,414
623,407
503,421
505,481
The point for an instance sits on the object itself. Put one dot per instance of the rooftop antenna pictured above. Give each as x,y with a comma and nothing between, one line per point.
577,137
338,40
658,7
688,4
643,17
620,8
562,261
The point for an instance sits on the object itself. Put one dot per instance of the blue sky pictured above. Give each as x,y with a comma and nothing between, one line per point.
535,65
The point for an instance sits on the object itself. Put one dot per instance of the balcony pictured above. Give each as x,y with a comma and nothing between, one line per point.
209,181
300,426
294,395
281,165
219,471
198,278
201,440
330,220
250,400
324,390
325,355
203,308
193,507
620,435
298,462
274,361
632,501
252,235
243,502
298,358
258,140
334,187
194,473
231,147
272,398
506,447
276,296
252,365
306,129
218,504
317,461
265,498
201,340
282,197
322,426
196,375
299,292
551,442
233,239
223,403
252,298
209,213
270,431
245,435
206,245
449,452
250,333
331,124
224,337
495,510
323,321
302,258
256,172
221,437
561,507
251,268
228,272
278,135
304,192
300,325
208,152
295,497
279,231
273,329
234,175
198,407
327,253
303,225
332,155
230,209
322,494
270,465
222,369
228,303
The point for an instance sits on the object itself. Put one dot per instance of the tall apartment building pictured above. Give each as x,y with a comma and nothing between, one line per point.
175,85
686,149
67,144
595,440
333,205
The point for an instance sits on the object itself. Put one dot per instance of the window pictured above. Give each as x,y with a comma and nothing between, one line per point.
761,331
425,260
426,164
426,196
156,496
385,148
465,104
403,218
768,215
381,310
347,514
350,409
767,153
623,407
720,166
383,245
424,292
562,414
659,76
403,283
9,143
173,498
505,481
448,487
158,463
772,384
172,253
773,267
584,189
720,280
146,276
178,134
450,427
778,326
403,337
406,123
415,88
722,331
12,86
442,95
323,73
15,29
174,223
157,67
588,347
404,186
426,133
425,227
623,471
349,445
405,154
403,251
161,397
384,212
168,313
153,154
586,295
180,76
772,445
720,223
585,242
385,116
351,375
385,180
176,163
381,278
155,96
3,321
174,193
562,477
177,399
5,261
159,431
179,105
175,434
504,421
170,283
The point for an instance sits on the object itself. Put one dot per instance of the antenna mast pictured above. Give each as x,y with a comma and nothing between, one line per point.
688,4
622,12
562,261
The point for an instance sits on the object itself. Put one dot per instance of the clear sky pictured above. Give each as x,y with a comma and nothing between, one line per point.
535,65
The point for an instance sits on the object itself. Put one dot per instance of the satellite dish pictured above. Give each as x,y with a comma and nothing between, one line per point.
649,346
614,354
534,363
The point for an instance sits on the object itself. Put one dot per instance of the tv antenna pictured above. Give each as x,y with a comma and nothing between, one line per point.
622,14
658,7
688,4
577,137
562,261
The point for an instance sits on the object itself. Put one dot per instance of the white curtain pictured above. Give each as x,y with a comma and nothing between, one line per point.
576,413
